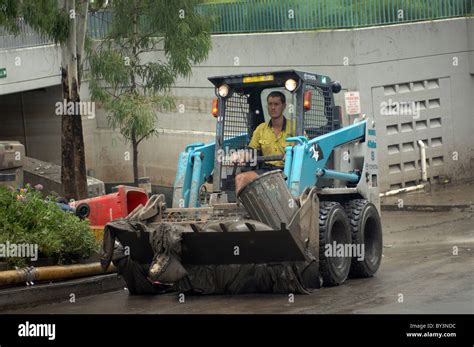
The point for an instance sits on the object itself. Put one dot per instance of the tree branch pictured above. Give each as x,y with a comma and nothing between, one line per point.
144,136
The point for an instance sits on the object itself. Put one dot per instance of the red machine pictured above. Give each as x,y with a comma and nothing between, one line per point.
103,209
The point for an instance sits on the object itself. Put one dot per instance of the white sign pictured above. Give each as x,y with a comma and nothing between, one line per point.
352,103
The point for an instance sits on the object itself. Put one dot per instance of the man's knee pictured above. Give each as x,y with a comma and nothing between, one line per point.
239,178
244,178
247,176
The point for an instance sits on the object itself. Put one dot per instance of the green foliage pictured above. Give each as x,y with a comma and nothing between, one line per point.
25,217
133,84
44,16
9,11
47,18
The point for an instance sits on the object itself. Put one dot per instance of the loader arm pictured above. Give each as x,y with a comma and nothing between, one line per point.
195,164
306,162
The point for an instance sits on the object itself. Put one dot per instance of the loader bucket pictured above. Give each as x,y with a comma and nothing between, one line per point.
237,247
264,239
273,234
227,248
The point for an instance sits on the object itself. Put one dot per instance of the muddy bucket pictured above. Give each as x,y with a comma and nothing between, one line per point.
268,200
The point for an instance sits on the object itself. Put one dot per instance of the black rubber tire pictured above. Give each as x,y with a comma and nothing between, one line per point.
366,229
83,210
333,226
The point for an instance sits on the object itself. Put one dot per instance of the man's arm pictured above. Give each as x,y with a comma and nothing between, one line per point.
254,142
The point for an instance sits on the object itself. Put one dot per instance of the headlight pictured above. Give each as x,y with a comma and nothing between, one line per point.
223,90
336,87
290,84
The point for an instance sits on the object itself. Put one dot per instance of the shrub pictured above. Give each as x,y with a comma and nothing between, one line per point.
26,217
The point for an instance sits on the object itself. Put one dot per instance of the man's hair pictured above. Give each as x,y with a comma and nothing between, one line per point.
276,94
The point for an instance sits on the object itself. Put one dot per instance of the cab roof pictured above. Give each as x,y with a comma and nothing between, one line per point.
270,78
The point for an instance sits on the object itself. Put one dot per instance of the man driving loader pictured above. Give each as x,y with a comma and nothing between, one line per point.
270,138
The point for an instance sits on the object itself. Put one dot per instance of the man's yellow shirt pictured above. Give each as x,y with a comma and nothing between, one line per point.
264,139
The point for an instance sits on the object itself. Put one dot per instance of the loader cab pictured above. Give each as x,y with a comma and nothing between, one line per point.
241,105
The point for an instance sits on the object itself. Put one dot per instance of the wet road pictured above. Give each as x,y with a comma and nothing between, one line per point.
419,274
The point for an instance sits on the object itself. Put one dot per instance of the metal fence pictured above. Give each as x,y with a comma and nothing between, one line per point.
98,23
288,15
285,15
26,38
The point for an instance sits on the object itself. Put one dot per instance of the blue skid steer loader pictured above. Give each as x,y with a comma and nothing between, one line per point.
319,214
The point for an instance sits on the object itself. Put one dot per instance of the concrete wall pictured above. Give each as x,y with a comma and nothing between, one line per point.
27,98
30,68
29,117
431,63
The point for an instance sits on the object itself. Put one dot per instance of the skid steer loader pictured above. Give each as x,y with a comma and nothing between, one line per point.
322,209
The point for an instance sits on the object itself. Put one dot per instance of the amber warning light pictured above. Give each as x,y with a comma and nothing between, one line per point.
307,100
215,107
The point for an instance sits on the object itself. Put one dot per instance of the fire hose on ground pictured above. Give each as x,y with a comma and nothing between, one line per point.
51,273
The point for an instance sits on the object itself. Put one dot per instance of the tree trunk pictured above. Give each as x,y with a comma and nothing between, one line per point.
79,158
134,90
73,170
78,138
135,159
68,175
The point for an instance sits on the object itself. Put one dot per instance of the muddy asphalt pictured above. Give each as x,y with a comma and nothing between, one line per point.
420,273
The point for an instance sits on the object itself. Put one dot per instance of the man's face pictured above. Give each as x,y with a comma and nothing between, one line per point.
275,106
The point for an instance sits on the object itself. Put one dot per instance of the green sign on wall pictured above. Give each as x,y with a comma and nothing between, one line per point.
3,72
